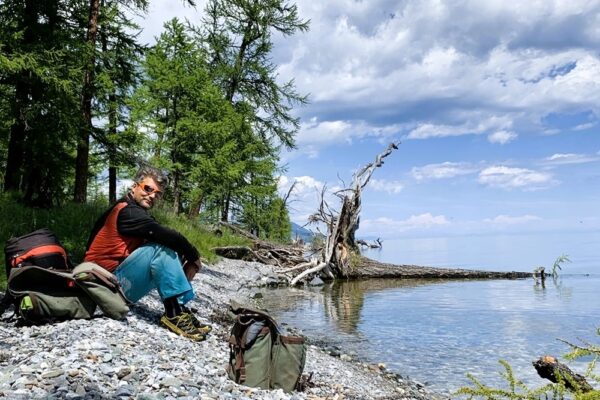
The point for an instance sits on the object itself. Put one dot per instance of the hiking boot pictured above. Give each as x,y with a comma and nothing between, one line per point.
204,328
183,325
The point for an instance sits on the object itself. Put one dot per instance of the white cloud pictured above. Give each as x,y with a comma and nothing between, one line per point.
515,178
441,171
443,67
510,220
303,185
476,123
432,63
502,137
382,185
314,134
583,127
570,158
379,226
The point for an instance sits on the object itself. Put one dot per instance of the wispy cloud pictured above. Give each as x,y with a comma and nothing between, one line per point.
583,127
483,124
570,158
382,185
442,171
515,178
510,220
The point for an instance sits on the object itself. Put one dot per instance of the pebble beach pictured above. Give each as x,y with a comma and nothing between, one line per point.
135,358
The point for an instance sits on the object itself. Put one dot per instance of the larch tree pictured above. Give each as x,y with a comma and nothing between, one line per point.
238,37
117,74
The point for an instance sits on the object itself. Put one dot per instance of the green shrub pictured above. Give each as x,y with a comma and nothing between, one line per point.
72,223
555,391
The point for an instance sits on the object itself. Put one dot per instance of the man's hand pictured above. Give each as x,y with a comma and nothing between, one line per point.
191,269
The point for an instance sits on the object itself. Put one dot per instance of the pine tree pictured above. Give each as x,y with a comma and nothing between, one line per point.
39,59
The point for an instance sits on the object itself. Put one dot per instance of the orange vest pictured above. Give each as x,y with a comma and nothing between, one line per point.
109,248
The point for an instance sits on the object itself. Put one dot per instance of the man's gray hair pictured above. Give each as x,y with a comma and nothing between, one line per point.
146,171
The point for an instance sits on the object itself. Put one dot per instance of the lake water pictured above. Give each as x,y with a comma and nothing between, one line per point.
437,331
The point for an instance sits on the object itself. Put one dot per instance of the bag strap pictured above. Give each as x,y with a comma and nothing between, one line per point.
107,278
237,346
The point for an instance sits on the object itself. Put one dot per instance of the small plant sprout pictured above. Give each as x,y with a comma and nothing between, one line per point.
557,264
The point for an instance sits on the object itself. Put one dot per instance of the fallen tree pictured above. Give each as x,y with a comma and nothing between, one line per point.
339,257
280,255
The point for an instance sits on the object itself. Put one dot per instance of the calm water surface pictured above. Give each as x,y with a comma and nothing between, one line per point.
437,331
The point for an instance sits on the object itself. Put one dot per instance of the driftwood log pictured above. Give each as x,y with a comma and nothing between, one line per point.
341,246
261,251
367,268
375,245
550,368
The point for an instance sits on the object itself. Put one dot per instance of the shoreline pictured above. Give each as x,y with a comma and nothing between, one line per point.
137,359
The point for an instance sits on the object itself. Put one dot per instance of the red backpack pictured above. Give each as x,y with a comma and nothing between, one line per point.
41,248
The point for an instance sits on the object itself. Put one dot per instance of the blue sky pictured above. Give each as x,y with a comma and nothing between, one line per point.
496,104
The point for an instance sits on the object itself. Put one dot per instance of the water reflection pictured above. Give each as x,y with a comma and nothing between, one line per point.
342,302
556,282
437,330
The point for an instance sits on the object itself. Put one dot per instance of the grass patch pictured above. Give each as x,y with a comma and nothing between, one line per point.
72,223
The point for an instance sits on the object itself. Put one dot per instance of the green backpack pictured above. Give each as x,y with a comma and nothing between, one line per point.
44,295
260,356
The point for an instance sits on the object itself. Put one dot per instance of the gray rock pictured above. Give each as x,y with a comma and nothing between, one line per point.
125,391
52,373
137,358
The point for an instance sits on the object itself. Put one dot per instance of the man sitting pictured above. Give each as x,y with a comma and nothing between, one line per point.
144,254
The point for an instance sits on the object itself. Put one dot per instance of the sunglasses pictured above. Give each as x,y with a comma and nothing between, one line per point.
150,189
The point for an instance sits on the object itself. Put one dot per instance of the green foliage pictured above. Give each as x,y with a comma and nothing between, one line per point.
203,105
73,223
267,218
354,260
516,391
198,234
40,69
237,34
555,391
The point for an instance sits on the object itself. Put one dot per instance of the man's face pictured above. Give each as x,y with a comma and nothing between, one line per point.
146,192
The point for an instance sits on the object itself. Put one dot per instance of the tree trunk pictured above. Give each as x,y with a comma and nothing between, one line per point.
176,193
233,84
13,177
194,209
112,184
341,227
112,163
225,209
16,144
83,144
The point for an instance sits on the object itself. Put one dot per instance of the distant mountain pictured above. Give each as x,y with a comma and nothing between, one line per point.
299,232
